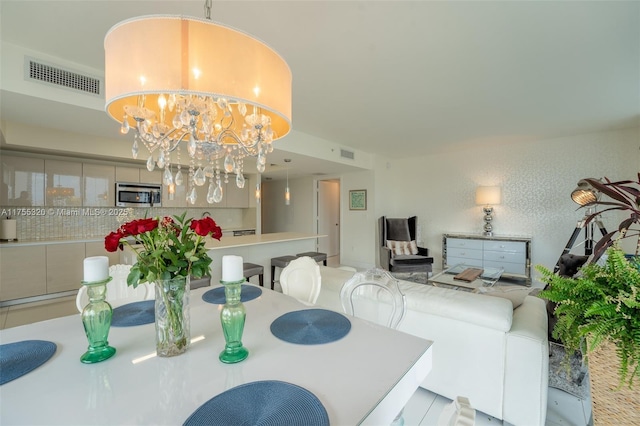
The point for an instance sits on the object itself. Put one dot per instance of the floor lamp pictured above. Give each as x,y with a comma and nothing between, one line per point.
584,195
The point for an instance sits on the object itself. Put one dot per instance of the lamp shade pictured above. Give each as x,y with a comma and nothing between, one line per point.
488,195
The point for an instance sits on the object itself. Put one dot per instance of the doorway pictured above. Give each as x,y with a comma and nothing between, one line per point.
328,217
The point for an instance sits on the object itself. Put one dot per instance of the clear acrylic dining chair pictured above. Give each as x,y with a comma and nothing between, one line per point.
301,279
118,292
374,295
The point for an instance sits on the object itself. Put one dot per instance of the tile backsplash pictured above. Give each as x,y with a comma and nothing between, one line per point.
51,223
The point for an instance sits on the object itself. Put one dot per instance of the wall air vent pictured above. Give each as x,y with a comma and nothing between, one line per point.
347,154
46,73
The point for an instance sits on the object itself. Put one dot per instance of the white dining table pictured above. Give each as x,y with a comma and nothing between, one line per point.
365,377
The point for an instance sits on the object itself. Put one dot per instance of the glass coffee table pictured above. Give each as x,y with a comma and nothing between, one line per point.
445,279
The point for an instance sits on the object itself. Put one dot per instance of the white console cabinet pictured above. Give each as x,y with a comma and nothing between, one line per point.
513,254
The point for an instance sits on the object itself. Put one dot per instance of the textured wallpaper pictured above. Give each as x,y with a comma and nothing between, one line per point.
536,178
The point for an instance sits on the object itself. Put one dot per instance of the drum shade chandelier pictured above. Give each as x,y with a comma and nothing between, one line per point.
175,79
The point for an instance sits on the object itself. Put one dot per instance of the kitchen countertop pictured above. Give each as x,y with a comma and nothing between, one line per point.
250,240
228,240
23,243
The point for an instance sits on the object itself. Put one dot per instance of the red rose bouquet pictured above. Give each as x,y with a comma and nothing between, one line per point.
166,248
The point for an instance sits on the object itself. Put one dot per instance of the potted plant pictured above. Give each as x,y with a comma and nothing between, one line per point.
598,309
601,304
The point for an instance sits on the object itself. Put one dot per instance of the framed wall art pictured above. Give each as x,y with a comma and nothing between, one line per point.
358,199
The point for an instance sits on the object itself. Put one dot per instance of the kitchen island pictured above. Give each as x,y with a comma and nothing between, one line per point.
259,249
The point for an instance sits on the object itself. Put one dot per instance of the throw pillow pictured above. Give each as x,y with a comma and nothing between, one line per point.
396,247
391,245
413,247
515,293
399,248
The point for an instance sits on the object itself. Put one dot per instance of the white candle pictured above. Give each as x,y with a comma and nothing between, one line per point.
232,270
96,268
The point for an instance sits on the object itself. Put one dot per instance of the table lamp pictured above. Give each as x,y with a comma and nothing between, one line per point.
488,196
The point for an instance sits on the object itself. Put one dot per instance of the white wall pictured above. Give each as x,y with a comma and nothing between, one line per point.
296,217
536,179
357,244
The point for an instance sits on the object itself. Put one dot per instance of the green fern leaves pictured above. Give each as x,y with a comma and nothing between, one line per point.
602,303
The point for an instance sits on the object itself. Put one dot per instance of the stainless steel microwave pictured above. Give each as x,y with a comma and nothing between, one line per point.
130,194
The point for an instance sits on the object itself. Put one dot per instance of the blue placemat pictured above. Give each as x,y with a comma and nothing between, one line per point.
311,326
262,403
19,358
216,295
136,313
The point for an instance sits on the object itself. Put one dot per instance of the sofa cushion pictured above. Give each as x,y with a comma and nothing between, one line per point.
514,293
408,259
458,305
491,312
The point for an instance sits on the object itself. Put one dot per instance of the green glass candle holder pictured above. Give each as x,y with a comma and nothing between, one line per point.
232,318
96,318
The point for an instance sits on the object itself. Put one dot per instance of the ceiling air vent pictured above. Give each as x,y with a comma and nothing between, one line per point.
45,73
347,154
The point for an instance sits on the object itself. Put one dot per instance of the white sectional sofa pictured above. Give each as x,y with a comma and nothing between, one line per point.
484,350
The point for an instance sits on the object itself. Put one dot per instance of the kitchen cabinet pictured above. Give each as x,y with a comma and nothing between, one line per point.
201,199
23,181
22,272
63,183
237,197
138,175
99,185
37,270
151,177
127,174
97,249
250,184
233,197
513,254
64,266
179,197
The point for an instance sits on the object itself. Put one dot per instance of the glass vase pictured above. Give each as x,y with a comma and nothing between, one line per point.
96,319
232,318
173,322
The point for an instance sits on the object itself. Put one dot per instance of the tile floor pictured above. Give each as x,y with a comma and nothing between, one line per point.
423,409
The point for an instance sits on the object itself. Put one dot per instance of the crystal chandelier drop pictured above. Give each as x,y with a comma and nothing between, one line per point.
187,82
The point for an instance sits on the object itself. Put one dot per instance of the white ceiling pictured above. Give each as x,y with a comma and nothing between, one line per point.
394,77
